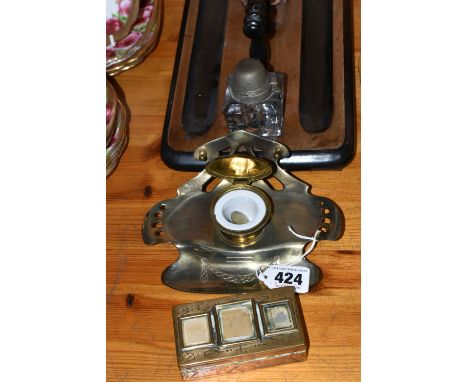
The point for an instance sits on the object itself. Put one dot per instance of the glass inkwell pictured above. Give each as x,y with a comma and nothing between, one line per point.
254,99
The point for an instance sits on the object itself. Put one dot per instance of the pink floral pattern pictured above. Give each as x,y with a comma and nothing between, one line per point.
128,41
118,142
125,6
111,106
138,30
113,26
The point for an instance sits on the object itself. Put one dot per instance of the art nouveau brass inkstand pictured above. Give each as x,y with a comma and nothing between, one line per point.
224,235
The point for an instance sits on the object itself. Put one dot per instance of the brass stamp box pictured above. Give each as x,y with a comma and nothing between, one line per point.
238,333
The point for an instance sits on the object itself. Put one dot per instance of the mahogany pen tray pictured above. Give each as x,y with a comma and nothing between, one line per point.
310,41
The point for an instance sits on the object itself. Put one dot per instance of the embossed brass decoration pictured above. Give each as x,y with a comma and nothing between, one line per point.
225,234
238,333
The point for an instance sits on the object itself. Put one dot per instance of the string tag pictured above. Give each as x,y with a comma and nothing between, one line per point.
277,276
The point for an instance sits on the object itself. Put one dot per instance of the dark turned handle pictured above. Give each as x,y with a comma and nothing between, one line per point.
256,26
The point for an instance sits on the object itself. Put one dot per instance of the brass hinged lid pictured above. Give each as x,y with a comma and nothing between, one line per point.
240,167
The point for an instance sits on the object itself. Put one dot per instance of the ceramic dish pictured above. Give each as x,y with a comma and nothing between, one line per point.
138,58
119,140
139,42
111,108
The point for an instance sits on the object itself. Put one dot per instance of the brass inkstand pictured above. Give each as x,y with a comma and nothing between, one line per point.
224,235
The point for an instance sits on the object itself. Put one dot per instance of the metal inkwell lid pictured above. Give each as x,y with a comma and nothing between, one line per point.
239,168
249,82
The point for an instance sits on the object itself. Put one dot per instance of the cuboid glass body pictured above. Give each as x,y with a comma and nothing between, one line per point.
238,333
265,117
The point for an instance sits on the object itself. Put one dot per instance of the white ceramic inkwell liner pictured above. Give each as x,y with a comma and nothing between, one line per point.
249,207
241,213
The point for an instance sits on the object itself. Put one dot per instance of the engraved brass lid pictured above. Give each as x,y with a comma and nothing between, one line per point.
239,167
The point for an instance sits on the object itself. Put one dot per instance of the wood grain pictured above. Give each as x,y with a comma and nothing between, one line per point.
140,342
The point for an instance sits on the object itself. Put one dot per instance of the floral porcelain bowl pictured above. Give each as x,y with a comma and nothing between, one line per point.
116,128
119,140
111,111
139,42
